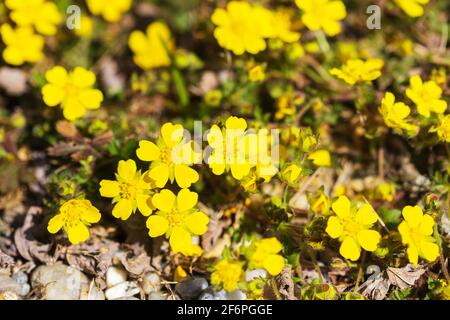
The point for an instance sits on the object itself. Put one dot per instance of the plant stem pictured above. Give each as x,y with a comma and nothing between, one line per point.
360,272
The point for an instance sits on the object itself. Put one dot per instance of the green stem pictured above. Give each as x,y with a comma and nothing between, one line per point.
180,85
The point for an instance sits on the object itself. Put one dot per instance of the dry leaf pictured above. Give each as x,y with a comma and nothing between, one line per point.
404,277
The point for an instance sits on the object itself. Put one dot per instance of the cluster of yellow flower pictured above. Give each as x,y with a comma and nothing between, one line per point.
352,226
243,27
229,274
22,43
427,98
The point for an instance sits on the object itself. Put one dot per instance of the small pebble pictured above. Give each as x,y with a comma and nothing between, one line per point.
156,295
20,277
255,274
151,282
60,282
236,295
190,288
122,290
115,275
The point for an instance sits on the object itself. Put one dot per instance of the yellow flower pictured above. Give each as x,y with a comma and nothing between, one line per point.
86,27
426,96
111,10
151,50
74,217
72,90
356,70
241,27
41,14
412,8
281,27
230,148
286,106
178,219
353,228
256,73
22,45
395,114
443,128
227,274
386,191
291,173
323,15
320,204
416,232
265,255
130,191
320,158
170,157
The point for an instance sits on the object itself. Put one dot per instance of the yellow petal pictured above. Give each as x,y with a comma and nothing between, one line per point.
144,204
72,109
369,239
164,200
403,229
90,214
57,76
179,239
123,209
109,188
274,263
157,226
349,249
186,200
429,250
78,233
160,174
55,224
127,170
185,176
91,98
413,254
366,215
334,227
426,225
235,123
171,134
147,151
412,215
320,158
52,95
197,223
82,78
341,207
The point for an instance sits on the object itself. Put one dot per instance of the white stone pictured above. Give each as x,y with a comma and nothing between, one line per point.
254,274
115,275
151,282
122,290
236,295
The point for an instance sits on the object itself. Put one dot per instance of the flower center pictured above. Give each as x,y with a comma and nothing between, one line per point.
351,227
127,191
175,218
166,156
71,89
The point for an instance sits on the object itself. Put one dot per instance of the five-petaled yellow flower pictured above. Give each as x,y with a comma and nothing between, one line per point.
178,219
242,27
22,45
152,50
416,232
413,8
74,217
281,27
227,274
443,128
265,254
170,157
353,228
111,10
395,113
43,15
130,191
231,148
323,15
426,96
356,70
72,90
